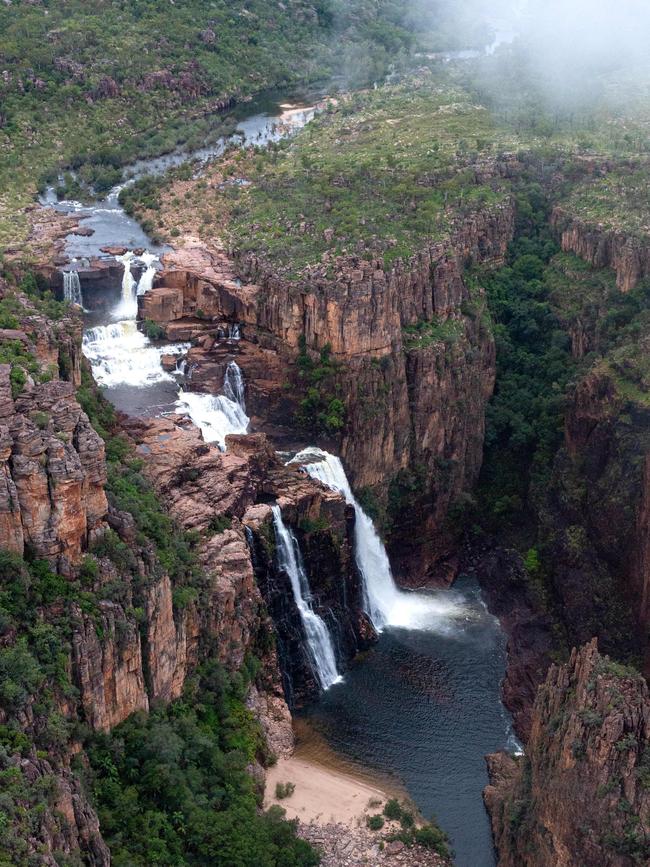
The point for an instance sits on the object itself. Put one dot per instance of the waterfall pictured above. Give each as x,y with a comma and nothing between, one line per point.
233,385
119,354
319,642
146,281
234,332
221,414
128,306
72,288
215,415
384,602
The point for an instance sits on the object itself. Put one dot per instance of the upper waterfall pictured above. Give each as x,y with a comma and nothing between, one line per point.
72,288
384,602
146,281
233,385
221,414
128,305
319,641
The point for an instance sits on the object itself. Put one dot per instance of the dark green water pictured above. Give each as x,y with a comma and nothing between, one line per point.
425,707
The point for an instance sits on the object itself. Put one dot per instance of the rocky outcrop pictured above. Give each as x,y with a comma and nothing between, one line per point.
107,659
64,825
581,794
604,247
206,488
52,473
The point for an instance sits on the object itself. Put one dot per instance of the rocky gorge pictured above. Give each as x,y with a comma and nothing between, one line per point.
163,565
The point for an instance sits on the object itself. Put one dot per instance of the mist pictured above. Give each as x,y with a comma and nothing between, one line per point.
575,50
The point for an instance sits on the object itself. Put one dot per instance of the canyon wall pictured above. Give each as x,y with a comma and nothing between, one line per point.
134,631
416,356
581,794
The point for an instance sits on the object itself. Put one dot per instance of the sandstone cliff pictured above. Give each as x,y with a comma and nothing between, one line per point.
604,247
415,351
581,794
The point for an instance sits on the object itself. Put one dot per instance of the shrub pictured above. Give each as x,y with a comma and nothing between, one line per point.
284,790
375,822
152,330
431,837
392,809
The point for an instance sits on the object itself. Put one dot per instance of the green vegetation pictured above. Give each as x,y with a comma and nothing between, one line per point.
152,330
284,790
172,786
534,366
375,822
130,491
392,809
426,333
618,201
375,175
91,89
321,410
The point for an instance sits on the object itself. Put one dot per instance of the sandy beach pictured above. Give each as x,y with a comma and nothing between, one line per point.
322,795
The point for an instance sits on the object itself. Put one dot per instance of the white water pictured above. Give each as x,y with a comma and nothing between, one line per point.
319,642
384,602
146,281
218,415
72,288
233,385
128,306
121,355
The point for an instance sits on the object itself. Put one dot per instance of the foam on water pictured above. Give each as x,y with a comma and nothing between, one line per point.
215,415
119,354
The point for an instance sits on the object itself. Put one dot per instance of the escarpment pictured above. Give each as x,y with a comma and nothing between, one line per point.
413,352
580,795
595,517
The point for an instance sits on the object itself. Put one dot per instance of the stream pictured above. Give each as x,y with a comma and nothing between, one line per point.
424,703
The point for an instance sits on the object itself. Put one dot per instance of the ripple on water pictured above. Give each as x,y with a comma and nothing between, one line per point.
425,705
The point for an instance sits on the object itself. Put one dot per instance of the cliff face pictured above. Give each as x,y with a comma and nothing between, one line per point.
581,795
415,349
602,247
203,485
594,519
133,633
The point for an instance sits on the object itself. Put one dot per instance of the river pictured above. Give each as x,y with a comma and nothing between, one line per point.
424,703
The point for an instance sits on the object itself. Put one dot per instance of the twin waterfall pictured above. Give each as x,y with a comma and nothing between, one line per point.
384,602
121,355
128,306
319,642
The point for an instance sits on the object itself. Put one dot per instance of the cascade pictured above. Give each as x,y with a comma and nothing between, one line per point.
233,385
72,288
128,306
119,354
221,414
319,642
234,332
385,603
146,281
